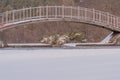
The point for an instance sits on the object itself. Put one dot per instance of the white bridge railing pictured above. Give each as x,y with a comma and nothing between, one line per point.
79,14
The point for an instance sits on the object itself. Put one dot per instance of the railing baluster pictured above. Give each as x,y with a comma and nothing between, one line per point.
40,11
20,15
100,17
6,17
117,22
93,14
2,18
13,15
71,9
85,13
30,12
63,15
27,13
108,18
47,12
78,12
55,11
23,14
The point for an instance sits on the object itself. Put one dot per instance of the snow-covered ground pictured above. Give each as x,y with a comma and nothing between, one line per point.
60,64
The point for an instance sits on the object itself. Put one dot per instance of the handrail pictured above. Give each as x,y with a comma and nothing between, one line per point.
58,12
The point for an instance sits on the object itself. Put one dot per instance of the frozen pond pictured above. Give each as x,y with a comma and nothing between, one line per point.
60,64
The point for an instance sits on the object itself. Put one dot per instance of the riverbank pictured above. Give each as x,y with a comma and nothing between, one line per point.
67,45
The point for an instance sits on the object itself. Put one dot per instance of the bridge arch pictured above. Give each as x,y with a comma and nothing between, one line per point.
59,13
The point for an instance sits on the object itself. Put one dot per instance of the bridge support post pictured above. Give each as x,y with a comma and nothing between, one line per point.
2,41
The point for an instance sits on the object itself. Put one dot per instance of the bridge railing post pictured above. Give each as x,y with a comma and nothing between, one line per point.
47,11
93,11
71,12
63,15
55,11
20,15
108,18
0,19
6,17
114,22
2,22
85,9
33,12
30,12
78,12
13,15
23,13
100,17
27,13
39,11
117,22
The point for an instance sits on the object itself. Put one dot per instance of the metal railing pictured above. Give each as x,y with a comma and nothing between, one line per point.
79,14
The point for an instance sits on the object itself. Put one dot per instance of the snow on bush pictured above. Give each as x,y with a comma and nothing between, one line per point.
62,39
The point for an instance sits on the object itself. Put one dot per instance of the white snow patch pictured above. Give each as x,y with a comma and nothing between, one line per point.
70,44
107,39
27,44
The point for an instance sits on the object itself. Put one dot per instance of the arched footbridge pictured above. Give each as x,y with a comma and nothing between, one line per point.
11,18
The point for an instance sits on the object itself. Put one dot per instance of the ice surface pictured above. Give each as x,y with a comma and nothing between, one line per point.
60,64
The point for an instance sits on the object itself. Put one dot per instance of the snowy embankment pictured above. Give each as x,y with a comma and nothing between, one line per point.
60,64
